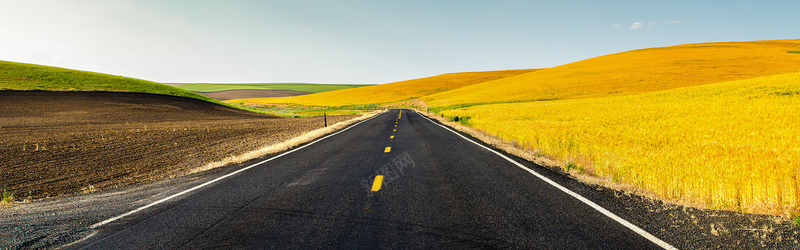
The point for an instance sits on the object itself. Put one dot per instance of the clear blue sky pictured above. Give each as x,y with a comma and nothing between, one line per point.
370,41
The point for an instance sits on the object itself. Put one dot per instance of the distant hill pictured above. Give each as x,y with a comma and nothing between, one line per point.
23,76
304,87
625,73
637,71
393,92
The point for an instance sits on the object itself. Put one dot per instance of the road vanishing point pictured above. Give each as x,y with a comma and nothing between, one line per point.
397,180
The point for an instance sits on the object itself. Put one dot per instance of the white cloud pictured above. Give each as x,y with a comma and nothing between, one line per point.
641,25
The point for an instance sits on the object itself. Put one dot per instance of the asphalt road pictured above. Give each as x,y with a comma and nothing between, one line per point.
438,191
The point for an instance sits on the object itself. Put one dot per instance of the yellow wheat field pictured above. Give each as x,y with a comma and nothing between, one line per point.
732,145
390,92
678,121
637,71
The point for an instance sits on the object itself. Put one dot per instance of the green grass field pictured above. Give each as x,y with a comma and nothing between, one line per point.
305,87
23,76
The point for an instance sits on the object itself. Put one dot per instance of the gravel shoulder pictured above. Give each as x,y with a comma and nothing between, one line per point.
59,221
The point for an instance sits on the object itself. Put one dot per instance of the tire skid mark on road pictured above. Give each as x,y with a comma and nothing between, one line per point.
307,178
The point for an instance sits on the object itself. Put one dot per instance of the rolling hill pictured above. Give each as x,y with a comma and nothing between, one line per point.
392,92
633,72
23,76
303,87
230,91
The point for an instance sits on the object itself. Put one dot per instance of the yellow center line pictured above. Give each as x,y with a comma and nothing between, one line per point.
391,137
376,185
387,150
395,130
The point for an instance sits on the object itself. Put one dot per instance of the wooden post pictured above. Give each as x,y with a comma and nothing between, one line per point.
325,116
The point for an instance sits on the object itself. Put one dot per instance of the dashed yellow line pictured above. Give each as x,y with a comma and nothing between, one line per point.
391,137
387,150
395,130
376,185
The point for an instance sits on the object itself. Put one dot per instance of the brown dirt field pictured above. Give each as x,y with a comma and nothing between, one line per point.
55,143
251,93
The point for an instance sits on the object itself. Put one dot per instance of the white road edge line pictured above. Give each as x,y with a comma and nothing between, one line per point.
221,177
602,210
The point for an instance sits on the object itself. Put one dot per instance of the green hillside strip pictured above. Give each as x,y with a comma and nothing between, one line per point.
305,87
23,76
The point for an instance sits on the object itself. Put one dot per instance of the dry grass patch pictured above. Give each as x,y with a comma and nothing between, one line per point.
7,197
284,145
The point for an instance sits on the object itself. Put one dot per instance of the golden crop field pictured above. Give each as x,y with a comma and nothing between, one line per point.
713,124
732,145
634,72
390,92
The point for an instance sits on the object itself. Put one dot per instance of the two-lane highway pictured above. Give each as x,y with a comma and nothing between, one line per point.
395,181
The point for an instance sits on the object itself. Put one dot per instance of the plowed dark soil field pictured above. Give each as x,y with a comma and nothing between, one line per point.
54,143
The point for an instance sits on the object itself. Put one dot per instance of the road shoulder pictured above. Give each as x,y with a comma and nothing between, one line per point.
59,221
681,226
